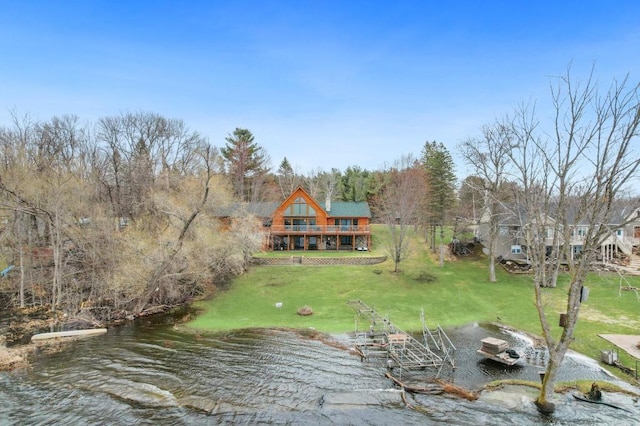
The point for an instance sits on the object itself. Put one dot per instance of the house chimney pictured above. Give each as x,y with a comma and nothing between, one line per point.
327,204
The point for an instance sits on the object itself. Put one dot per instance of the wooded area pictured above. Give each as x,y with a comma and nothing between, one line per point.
113,219
109,220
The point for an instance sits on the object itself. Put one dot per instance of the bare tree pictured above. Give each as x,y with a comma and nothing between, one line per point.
398,205
313,182
14,155
329,183
489,159
572,174
165,270
44,188
61,187
321,184
140,152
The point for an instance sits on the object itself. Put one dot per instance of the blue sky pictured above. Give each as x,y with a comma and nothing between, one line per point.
324,83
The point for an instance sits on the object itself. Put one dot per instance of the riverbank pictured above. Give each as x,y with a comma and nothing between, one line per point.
11,358
21,356
19,325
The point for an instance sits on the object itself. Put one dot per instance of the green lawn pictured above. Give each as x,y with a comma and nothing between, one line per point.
458,294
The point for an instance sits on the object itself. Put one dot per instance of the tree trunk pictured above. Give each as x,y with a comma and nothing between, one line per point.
21,260
492,268
492,258
441,246
543,402
57,265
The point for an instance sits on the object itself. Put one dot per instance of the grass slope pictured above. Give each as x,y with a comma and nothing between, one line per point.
458,293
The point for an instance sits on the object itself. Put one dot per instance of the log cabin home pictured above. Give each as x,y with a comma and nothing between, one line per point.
302,223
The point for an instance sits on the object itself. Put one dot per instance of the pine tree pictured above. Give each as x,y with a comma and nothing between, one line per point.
246,163
441,184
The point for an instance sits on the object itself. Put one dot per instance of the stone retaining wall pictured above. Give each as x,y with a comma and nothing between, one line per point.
304,260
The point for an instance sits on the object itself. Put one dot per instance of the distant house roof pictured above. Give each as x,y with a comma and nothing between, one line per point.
513,214
262,210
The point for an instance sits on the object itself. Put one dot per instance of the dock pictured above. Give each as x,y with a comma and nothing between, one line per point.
384,339
68,334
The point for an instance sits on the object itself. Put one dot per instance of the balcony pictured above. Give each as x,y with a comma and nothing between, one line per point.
320,229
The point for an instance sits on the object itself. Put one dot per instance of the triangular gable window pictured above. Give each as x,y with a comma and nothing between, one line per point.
299,207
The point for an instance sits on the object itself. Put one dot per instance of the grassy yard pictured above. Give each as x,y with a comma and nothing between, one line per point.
455,294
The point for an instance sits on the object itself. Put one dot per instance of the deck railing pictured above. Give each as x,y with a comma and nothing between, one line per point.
320,229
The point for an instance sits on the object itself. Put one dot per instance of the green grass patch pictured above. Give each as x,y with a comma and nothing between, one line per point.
456,294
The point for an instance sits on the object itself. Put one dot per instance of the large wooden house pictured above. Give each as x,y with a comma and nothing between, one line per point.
302,223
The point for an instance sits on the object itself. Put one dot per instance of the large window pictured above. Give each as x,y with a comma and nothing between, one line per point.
298,243
346,241
302,224
299,207
548,232
346,224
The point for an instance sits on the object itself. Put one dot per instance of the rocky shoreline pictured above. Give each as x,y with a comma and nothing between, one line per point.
21,356
19,325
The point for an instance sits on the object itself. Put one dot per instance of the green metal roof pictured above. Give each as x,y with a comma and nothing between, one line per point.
266,209
348,209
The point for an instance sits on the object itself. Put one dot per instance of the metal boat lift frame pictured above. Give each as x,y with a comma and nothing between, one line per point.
383,338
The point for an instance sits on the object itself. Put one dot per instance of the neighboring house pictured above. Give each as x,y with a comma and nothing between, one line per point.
510,241
303,223
623,237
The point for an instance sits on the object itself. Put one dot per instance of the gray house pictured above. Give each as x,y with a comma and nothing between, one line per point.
620,245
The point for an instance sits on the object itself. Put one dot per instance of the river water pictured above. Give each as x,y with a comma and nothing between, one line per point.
152,372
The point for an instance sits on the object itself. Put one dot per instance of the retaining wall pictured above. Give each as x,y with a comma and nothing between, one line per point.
304,260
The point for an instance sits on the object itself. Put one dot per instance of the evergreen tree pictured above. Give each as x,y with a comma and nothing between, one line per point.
355,184
441,184
287,178
246,162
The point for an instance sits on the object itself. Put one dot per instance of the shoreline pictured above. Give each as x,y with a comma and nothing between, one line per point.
21,356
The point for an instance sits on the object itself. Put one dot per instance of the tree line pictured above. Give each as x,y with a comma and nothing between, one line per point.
120,216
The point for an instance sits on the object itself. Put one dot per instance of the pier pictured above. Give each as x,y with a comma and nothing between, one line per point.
383,339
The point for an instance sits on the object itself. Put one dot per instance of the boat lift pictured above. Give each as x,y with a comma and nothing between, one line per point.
383,338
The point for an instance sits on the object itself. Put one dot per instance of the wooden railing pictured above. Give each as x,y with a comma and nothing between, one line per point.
320,229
